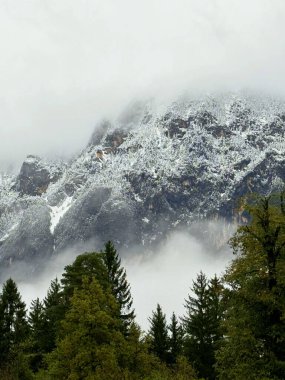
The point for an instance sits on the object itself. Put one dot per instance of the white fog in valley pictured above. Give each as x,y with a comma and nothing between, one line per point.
66,64
163,276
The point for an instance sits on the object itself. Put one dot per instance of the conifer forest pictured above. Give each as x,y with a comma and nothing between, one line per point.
233,327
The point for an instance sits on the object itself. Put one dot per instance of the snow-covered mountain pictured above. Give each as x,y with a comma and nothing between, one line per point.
147,174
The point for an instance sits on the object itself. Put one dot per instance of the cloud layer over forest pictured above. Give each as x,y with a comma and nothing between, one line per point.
163,276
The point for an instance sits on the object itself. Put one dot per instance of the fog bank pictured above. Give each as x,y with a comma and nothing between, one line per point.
65,65
163,276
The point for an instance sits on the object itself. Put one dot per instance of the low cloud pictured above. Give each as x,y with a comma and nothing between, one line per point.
65,65
162,276
165,276
37,285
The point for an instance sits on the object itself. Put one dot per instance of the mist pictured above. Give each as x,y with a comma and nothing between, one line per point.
166,276
65,65
163,276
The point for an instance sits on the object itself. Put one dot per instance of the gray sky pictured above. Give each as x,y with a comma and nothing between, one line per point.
66,64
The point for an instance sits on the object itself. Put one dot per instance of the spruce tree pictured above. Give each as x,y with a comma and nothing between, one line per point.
120,287
159,334
216,309
13,330
201,325
37,336
54,311
175,339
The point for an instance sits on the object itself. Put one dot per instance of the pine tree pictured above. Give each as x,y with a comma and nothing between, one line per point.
120,287
159,334
201,324
13,331
175,339
255,296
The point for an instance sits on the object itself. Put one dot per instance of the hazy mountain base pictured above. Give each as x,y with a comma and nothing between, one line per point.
210,237
150,272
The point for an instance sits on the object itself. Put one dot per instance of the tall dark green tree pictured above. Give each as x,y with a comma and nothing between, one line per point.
254,324
201,324
120,287
54,311
159,334
175,339
13,331
37,335
216,310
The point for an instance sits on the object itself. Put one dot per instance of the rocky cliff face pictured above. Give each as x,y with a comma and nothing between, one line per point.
144,176
34,177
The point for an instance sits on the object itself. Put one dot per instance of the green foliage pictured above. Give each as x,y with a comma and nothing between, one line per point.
86,265
175,339
106,267
44,322
215,309
92,345
17,368
36,342
54,311
202,324
182,370
254,324
120,287
86,330
159,334
91,337
13,333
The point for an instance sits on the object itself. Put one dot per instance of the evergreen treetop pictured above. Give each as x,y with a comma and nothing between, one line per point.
159,334
202,324
175,339
120,287
13,332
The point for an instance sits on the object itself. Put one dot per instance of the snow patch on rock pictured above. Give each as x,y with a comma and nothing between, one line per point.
57,212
